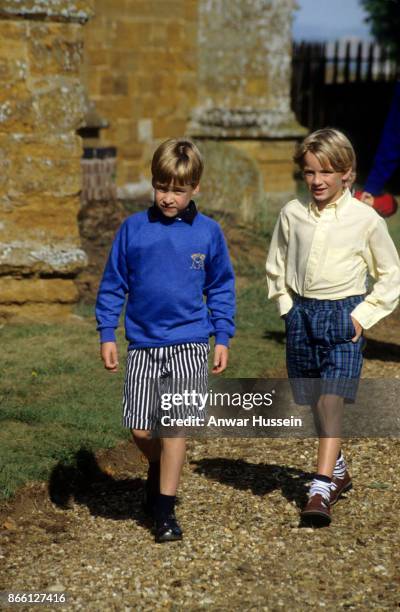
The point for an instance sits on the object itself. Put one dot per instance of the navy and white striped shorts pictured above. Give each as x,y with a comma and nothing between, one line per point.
154,375
319,346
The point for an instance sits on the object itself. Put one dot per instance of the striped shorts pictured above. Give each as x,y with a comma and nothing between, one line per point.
164,381
319,347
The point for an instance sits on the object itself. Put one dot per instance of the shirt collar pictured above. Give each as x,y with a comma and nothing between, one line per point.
188,215
338,205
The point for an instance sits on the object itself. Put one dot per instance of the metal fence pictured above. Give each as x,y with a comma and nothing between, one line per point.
348,85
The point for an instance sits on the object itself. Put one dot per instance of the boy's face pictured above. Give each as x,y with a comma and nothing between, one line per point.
324,183
173,199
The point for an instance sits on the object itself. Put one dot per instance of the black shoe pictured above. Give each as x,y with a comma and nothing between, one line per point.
168,530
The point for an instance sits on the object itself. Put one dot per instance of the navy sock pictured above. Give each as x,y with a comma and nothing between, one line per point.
164,506
153,478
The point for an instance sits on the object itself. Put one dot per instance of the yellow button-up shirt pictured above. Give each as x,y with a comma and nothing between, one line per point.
326,254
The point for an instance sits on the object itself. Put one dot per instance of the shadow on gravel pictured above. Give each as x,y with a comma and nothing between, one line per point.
259,478
383,351
87,484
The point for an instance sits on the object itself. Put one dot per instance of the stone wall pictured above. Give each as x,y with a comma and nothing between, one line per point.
141,72
41,105
213,69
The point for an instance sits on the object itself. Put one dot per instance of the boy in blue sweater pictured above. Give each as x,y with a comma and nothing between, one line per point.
166,260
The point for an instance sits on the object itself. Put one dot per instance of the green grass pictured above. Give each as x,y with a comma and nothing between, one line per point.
55,398
257,348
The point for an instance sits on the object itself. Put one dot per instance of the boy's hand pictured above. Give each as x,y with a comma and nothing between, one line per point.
358,328
367,198
109,355
220,358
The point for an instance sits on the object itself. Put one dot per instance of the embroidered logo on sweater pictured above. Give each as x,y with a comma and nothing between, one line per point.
198,261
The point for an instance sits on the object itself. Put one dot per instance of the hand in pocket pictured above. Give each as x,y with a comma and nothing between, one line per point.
358,328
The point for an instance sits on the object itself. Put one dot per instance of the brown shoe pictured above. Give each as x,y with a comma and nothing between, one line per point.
340,486
317,511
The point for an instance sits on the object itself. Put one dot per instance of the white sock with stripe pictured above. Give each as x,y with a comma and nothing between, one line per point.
340,467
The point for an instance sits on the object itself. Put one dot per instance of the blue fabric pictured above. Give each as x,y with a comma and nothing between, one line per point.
165,267
387,157
319,347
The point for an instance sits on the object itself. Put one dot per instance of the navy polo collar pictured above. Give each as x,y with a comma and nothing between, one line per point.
188,215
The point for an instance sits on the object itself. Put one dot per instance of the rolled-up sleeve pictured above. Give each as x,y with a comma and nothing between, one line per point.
384,266
276,266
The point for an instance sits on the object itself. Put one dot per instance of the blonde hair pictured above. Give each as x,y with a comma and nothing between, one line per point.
330,146
177,161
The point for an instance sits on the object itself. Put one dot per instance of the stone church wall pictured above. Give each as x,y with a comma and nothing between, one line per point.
41,105
141,72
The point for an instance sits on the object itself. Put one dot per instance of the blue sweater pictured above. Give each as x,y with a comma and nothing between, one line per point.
166,267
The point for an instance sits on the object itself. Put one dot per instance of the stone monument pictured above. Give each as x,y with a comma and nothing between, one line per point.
244,63
41,106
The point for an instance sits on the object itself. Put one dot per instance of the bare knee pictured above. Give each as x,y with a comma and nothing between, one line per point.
141,434
329,403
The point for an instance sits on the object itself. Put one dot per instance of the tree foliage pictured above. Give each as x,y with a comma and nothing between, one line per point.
384,19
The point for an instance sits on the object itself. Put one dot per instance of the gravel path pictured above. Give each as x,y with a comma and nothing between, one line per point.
239,506
243,548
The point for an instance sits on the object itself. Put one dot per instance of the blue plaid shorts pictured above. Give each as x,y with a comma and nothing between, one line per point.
320,356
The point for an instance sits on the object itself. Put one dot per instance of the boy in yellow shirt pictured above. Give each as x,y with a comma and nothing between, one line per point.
317,267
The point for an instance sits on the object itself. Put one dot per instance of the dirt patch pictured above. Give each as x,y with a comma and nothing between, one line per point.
98,222
382,351
69,482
